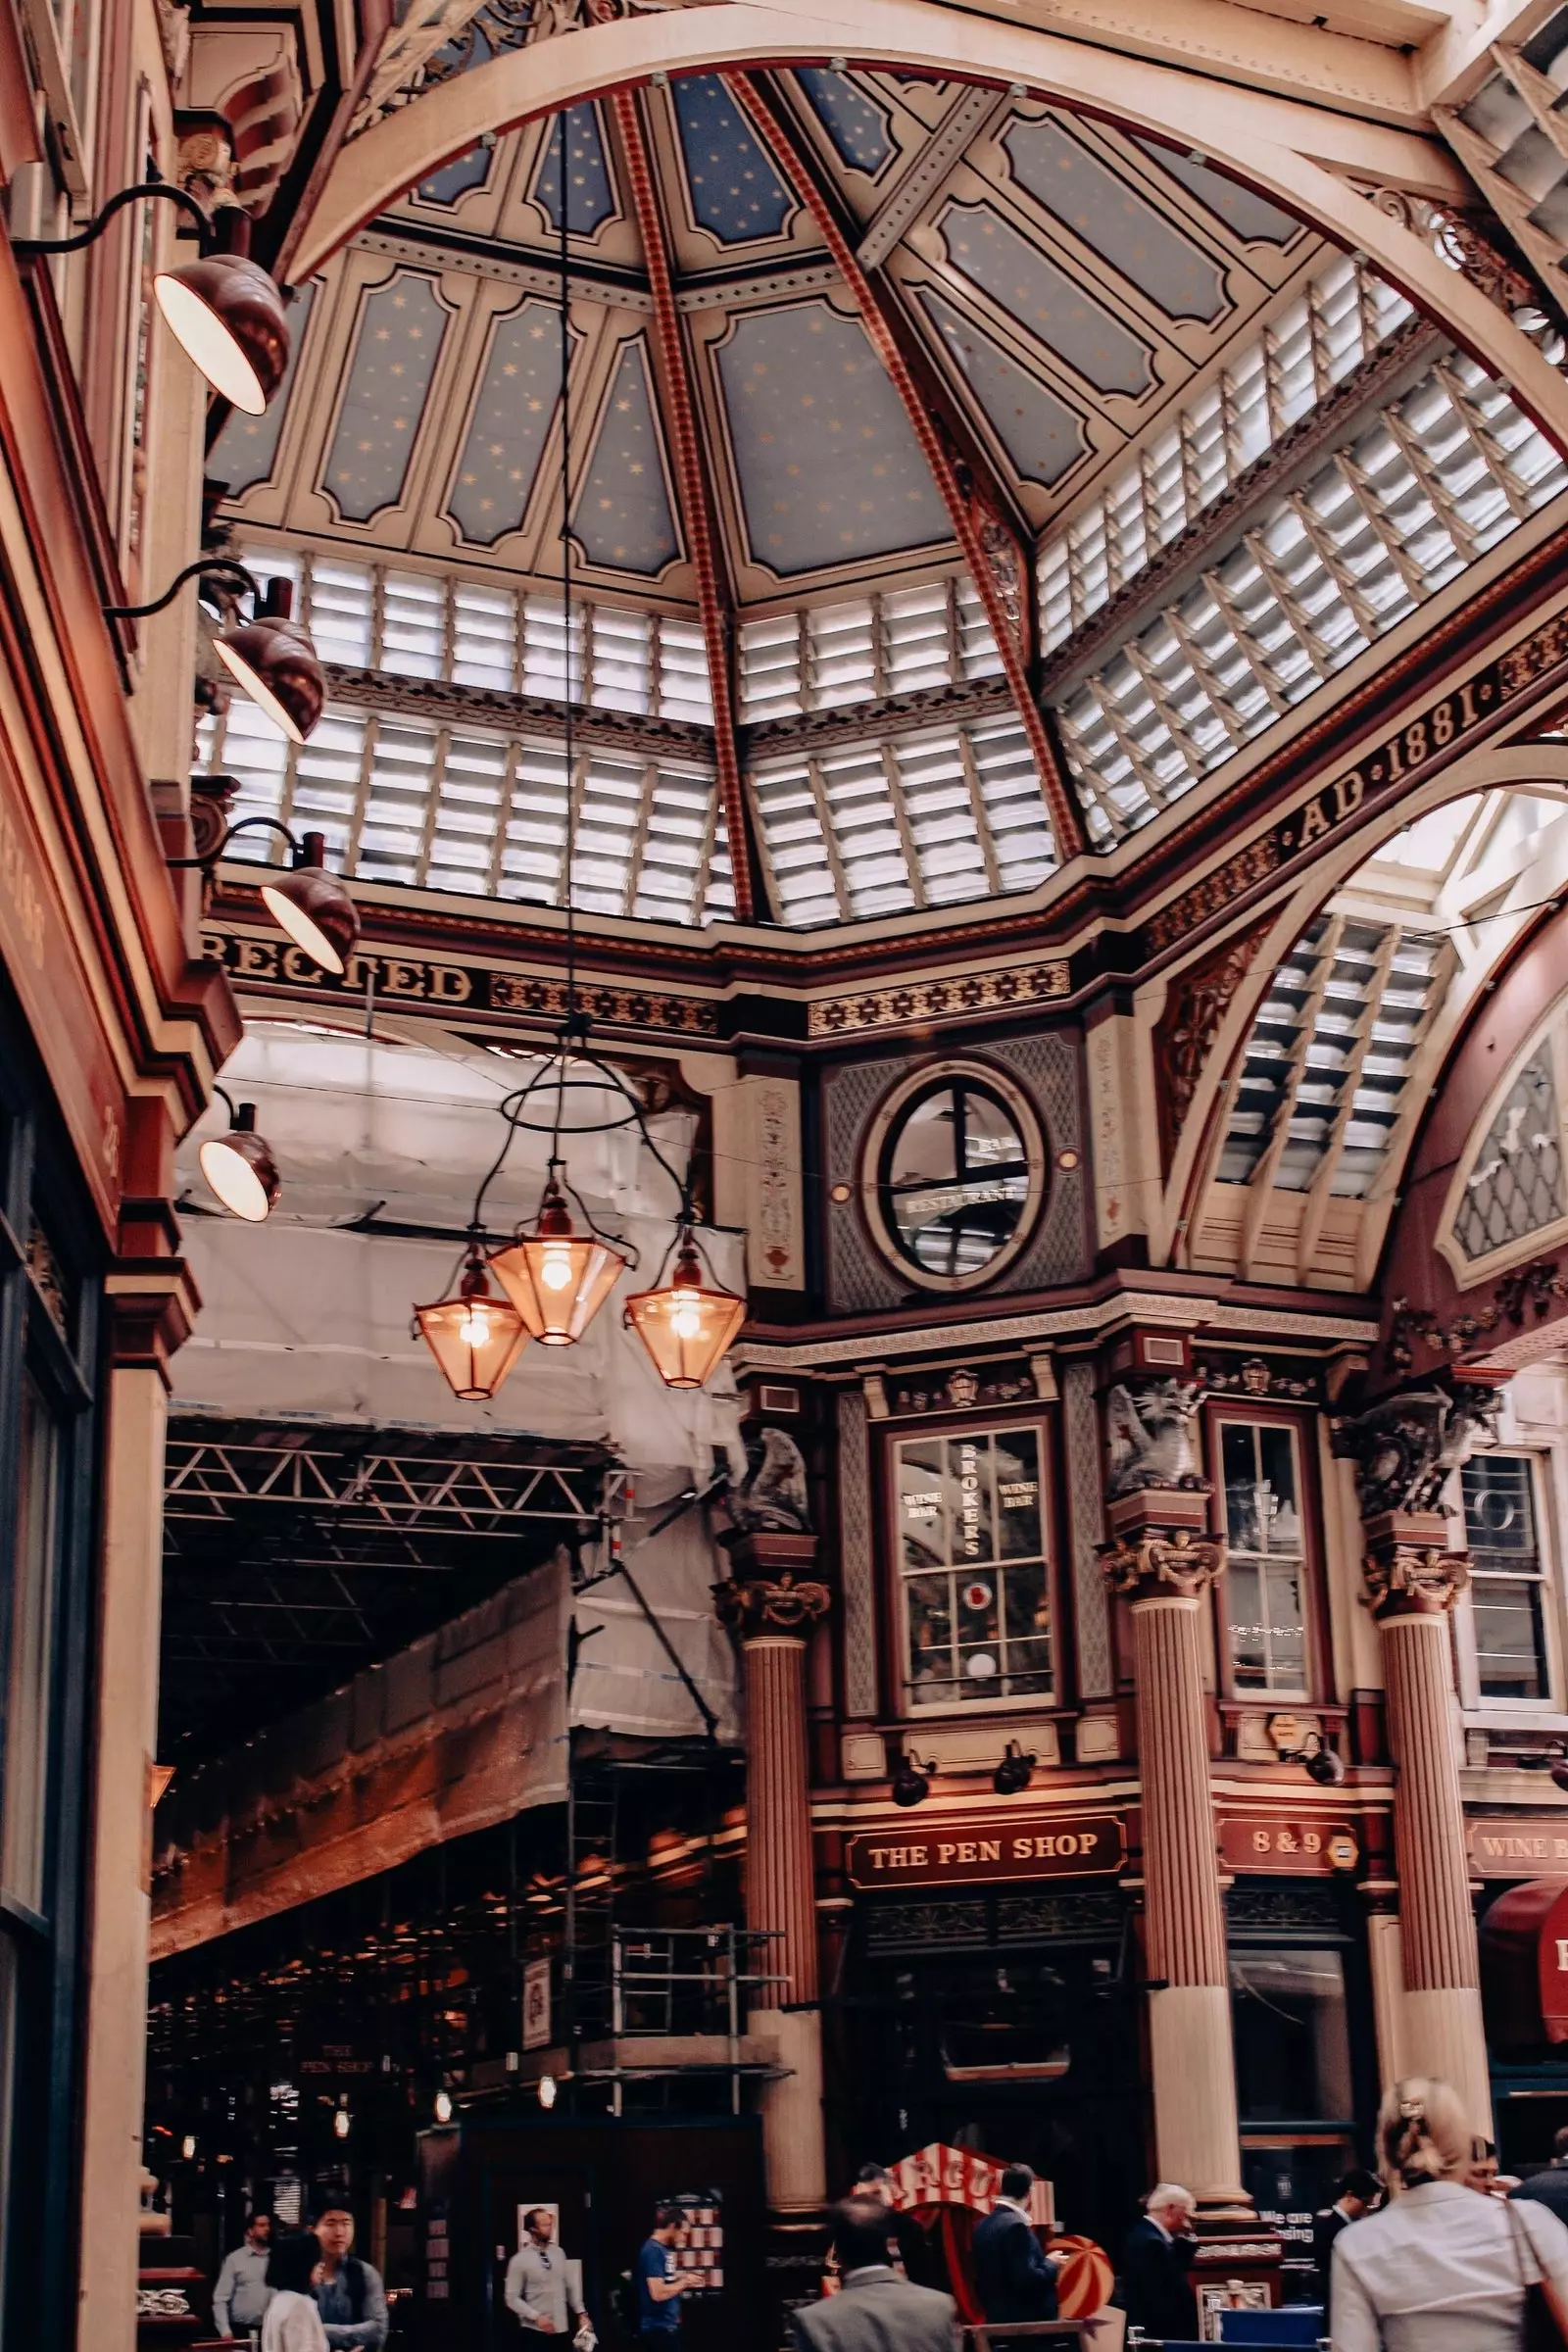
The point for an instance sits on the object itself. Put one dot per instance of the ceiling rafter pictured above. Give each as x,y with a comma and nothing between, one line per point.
1007,617
695,491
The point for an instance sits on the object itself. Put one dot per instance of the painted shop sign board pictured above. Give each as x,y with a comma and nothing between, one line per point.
959,1854
1259,1842
1519,1847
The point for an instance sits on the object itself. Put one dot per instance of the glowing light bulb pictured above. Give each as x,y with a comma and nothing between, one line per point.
443,2106
546,2090
340,2123
687,1320
476,1327
555,1269
187,2146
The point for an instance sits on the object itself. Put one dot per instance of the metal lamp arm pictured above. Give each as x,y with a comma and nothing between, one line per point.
203,567
245,824
164,188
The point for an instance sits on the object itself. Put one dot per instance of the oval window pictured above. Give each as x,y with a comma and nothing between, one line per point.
958,1168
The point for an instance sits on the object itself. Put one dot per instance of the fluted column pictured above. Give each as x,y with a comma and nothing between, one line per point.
1414,1580
1167,1569
772,1613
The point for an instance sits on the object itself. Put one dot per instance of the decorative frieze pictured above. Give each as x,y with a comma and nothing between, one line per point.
923,1000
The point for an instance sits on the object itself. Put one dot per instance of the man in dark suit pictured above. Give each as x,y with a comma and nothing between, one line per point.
1353,2196
1157,2291
1550,2188
874,2308
1017,2278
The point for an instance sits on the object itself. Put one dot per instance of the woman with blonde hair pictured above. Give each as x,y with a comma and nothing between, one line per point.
1440,2269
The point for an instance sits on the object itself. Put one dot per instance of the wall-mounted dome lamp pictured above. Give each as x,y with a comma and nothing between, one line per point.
240,1167
1015,1773
224,310
911,1783
270,658
305,900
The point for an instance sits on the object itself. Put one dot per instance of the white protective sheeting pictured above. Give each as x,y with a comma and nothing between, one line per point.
301,1320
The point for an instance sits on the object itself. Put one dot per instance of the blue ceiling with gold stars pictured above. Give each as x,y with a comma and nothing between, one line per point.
519,396
622,519
400,341
829,462
1058,287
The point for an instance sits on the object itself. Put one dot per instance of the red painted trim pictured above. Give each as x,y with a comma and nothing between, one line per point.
1064,823
693,491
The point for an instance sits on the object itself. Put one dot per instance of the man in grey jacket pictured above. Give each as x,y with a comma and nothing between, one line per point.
539,2286
874,2308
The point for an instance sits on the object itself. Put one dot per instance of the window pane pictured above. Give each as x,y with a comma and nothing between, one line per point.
1293,2042
1505,1596
971,1555
955,1180
1265,1577
32,1608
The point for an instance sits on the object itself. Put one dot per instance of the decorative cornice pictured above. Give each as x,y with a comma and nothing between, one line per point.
1148,1306
923,1000
893,714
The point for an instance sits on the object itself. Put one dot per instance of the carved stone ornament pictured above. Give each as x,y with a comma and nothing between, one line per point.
1156,1563
1462,239
1199,999
1151,1435
1405,1448
770,1604
773,1498
1415,1580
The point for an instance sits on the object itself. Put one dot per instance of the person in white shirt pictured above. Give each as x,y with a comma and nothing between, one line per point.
293,2324
539,2288
1440,2269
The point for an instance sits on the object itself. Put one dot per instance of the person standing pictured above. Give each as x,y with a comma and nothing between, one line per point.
660,2280
1440,2269
874,2309
292,2323
539,2288
349,2294
242,2293
1155,2264
1353,2196
1015,2277
1550,2188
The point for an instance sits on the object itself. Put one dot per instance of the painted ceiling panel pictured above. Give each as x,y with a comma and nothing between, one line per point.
1043,436
590,194
518,401
735,191
457,178
246,449
829,467
1082,192
622,520
855,124
401,332
992,254
1243,210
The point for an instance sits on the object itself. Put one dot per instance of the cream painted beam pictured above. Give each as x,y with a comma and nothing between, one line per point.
1451,65
1242,127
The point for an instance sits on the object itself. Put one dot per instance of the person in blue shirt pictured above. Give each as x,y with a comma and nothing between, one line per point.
660,2282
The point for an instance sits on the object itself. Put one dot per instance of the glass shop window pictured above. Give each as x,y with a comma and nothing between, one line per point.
1265,1577
1508,1577
1293,2035
972,1567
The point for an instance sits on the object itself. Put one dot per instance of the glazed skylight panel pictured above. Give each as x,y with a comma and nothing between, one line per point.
1341,319
877,828
469,633
832,656
1435,479
433,807
1326,1068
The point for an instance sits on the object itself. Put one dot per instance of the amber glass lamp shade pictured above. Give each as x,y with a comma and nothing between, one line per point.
475,1338
228,315
240,1169
274,662
556,1277
687,1324
316,910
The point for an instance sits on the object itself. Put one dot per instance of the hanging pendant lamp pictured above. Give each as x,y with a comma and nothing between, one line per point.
687,1323
474,1337
558,1275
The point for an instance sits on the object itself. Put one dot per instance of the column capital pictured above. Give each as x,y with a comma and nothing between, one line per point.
1161,1563
1408,1568
755,1606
